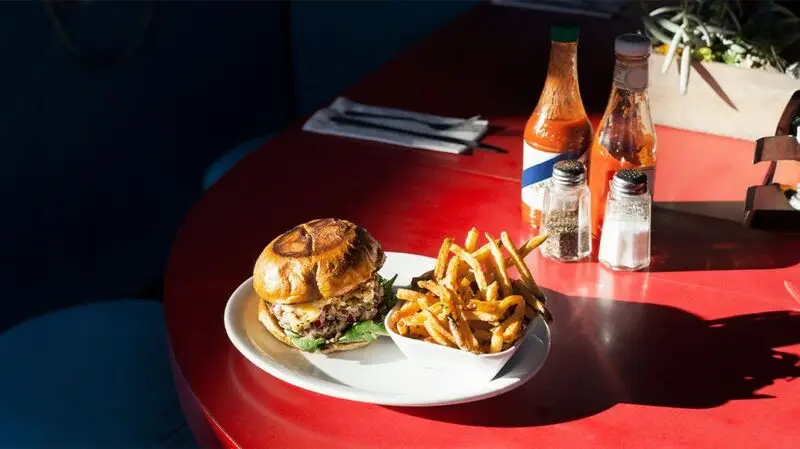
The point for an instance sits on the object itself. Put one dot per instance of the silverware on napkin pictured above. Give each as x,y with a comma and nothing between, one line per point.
400,127
435,126
468,143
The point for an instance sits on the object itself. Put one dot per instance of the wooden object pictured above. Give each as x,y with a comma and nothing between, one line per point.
767,205
721,99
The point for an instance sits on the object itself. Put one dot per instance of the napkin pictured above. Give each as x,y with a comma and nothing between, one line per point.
320,123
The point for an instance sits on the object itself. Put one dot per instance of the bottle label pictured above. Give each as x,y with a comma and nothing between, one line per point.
537,169
629,76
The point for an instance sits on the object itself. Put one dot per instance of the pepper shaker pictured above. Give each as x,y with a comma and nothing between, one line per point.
625,238
565,213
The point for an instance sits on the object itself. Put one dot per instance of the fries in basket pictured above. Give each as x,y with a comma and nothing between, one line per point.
468,301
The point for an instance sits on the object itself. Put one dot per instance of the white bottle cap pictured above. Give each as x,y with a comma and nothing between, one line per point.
632,45
794,201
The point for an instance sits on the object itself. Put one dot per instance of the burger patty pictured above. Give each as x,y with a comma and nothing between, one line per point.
328,318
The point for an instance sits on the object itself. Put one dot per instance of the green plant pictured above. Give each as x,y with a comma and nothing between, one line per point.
754,35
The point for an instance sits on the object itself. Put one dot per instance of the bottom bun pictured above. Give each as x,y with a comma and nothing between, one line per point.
266,318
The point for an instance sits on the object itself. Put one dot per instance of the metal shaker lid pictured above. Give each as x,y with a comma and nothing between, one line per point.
569,172
629,181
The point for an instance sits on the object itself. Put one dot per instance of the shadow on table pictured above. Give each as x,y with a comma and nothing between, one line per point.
608,352
709,235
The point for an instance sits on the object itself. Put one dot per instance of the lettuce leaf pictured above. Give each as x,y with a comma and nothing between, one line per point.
367,331
389,297
306,343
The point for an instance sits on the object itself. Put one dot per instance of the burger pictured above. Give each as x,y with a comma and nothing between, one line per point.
319,288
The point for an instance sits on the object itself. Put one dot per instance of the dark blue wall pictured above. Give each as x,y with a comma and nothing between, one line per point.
337,43
102,164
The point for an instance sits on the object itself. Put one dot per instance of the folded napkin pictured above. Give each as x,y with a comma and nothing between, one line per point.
321,123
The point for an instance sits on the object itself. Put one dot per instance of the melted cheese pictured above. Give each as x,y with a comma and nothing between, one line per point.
297,316
309,311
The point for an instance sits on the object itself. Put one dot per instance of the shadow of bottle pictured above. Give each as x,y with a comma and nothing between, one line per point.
607,352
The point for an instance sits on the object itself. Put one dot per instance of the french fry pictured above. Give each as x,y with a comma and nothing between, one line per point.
459,305
492,291
475,315
402,327
524,272
466,331
499,266
405,294
512,325
433,323
509,302
425,301
532,300
484,252
485,306
436,308
437,336
496,343
451,317
451,275
418,331
406,310
456,333
469,338
415,319
473,263
441,261
472,240
511,332
432,287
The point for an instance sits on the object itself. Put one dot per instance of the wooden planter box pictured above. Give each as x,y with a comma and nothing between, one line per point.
721,99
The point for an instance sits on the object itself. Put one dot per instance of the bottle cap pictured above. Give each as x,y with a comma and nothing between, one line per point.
563,33
629,181
632,45
569,172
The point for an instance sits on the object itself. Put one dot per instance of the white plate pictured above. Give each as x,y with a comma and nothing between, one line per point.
378,373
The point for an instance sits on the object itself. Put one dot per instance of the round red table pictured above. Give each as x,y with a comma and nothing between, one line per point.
698,351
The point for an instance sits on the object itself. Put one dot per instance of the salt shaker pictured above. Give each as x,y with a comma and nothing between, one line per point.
565,213
625,238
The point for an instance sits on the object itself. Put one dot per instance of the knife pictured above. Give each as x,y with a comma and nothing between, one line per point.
468,143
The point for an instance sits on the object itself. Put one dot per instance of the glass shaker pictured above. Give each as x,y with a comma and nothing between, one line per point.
565,213
625,238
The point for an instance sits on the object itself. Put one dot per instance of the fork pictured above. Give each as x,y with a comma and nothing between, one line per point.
434,126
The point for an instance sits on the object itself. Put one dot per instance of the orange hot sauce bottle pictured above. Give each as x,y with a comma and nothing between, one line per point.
558,128
625,137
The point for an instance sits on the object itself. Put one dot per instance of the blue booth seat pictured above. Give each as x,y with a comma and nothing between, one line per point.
229,159
91,376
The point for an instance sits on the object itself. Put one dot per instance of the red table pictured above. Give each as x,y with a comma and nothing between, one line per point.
695,352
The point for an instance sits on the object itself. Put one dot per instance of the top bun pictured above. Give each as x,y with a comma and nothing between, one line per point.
320,259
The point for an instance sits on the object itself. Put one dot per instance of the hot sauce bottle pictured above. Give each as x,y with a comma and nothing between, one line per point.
625,137
558,128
